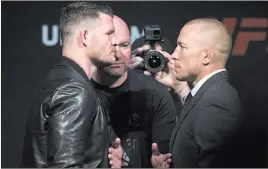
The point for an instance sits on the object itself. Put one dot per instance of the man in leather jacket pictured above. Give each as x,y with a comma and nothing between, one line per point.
67,126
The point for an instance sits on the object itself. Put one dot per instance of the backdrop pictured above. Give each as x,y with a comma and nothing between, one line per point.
31,46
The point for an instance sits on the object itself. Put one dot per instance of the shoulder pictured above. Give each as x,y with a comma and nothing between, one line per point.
65,82
139,80
222,90
152,90
64,72
62,76
147,84
222,98
74,89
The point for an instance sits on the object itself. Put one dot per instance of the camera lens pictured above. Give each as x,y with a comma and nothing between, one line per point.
154,61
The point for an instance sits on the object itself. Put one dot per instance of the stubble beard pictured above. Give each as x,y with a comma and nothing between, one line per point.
116,72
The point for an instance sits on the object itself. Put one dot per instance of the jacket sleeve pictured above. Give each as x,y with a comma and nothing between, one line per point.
72,108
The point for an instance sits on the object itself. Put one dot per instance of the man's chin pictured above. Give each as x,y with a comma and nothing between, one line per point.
100,63
181,78
186,78
117,72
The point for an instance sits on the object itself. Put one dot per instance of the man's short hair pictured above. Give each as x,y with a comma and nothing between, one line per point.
78,12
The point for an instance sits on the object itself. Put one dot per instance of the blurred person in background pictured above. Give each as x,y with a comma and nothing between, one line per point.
141,109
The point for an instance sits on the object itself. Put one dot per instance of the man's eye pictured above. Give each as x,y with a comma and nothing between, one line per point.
111,32
123,45
183,47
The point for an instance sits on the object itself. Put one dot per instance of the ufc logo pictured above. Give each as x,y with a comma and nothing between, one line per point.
249,29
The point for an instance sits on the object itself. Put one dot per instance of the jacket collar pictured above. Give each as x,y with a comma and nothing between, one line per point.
69,62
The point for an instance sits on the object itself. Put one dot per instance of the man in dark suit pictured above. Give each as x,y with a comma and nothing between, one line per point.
212,115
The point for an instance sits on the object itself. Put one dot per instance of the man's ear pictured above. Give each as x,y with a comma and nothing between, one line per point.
83,37
207,56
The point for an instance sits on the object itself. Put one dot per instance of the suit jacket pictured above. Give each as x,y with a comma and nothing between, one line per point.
204,135
67,126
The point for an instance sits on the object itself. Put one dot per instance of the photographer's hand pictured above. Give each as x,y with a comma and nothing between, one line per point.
136,61
167,77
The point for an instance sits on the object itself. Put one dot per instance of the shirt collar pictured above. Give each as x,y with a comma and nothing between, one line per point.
203,80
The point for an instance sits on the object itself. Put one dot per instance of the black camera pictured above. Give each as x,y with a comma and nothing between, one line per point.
153,61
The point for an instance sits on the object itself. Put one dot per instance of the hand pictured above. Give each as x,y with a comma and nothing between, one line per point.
115,154
167,75
168,78
160,160
136,61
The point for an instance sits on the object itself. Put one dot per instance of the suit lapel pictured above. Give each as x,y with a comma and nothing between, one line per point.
187,108
183,115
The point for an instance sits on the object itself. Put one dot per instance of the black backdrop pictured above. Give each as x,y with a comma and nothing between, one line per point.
27,57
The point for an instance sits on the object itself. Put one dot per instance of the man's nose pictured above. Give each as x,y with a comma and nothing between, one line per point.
117,52
174,56
113,40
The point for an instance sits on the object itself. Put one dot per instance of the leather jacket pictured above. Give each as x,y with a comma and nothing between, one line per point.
67,126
